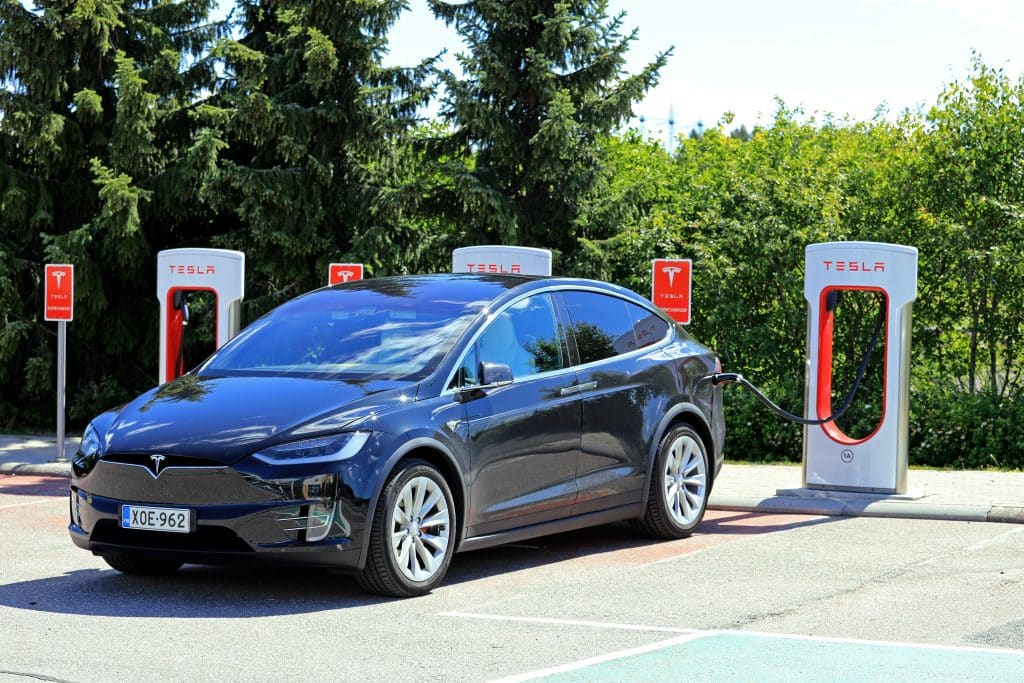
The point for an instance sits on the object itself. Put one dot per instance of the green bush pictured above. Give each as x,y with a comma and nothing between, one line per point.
951,428
753,433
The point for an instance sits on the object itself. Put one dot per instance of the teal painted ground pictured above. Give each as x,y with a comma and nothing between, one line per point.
736,657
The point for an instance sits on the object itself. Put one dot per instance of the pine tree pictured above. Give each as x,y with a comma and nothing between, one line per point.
317,132
741,133
543,86
100,155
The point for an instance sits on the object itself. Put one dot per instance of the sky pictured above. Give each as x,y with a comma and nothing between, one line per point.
843,57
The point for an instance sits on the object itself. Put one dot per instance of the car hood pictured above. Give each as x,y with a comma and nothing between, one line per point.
227,418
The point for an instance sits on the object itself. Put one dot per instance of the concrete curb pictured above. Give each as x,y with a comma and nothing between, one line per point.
48,469
867,508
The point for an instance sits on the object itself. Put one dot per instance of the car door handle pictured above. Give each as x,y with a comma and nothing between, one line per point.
577,388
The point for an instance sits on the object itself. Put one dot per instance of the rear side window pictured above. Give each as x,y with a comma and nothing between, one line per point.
606,326
648,327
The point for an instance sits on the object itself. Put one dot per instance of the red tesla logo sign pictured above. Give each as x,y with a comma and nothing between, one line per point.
344,272
513,268
855,266
671,287
59,292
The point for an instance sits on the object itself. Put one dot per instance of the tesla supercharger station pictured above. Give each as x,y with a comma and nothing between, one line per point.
500,259
832,460
178,271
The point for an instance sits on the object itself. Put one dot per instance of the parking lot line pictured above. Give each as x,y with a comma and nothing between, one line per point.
751,655
601,659
994,540
884,643
31,502
570,622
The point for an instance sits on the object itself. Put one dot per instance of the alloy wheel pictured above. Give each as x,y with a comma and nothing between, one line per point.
420,529
685,480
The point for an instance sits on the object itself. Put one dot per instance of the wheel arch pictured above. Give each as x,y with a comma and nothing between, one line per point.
438,455
680,414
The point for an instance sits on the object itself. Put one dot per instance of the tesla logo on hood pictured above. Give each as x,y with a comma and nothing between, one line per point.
157,461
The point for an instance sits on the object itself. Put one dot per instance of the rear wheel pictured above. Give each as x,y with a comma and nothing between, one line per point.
411,538
143,566
679,486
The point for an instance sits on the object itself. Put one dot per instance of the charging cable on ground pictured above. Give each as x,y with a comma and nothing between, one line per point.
730,377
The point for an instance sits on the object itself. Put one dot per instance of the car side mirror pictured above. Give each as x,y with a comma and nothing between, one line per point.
489,376
494,374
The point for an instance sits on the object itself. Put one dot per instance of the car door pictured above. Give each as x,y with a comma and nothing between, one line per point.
523,436
619,386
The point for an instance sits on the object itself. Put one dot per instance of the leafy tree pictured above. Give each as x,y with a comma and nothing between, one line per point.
98,167
543,84
744,211
639,182
969,176
316,131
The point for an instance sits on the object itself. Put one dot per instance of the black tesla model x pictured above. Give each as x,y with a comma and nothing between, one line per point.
382,425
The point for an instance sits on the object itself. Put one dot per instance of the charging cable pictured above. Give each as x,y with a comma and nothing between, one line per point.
730,377
181,303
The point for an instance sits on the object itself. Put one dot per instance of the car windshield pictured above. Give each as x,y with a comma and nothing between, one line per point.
359,332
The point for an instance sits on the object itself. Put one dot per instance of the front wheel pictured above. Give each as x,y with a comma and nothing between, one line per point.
411,538
679,486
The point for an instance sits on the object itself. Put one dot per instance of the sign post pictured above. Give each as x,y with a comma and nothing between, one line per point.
59,306
344,272
670,287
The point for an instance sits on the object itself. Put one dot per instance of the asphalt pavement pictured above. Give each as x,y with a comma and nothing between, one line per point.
969,496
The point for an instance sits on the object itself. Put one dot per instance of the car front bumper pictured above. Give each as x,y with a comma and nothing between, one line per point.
237,514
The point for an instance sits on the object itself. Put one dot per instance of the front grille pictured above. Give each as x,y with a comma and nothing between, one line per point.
185,486
145,460
206,539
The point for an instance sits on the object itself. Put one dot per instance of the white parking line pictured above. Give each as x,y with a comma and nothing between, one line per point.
583,663
730,632
995,539
570,622
691,635
858,641
34,502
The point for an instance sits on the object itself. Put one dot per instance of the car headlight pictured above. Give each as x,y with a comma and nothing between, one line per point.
88,452
321,449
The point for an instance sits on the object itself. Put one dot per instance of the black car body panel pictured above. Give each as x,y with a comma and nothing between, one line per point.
228,418
569,442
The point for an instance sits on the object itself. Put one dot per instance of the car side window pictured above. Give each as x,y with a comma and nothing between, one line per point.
649,327
601,325
524,337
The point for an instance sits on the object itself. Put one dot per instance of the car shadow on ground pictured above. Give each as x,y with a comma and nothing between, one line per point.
620,539
196,592
202,592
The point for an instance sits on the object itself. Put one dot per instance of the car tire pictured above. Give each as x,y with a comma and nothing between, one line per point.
142,566
680,485
412,536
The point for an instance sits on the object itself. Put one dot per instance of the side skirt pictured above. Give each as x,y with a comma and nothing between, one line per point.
616,514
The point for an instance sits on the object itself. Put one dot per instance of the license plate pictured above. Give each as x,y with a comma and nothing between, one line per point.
175,520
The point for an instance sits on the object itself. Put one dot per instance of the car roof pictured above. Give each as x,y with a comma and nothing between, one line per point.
475,283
